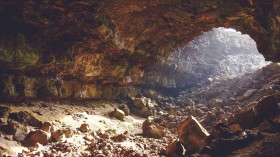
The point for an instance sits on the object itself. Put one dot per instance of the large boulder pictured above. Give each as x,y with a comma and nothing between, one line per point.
20,130
152,129
28,117
266,107
246,119
192,134
38,136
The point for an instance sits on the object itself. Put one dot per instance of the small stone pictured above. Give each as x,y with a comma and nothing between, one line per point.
172,112
38,136
68,132
200,105
47,126
235,128
117,113
152,130
58,135
140,102
84,127
119,138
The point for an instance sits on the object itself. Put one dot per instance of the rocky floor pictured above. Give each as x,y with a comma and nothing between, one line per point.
79,130
240,117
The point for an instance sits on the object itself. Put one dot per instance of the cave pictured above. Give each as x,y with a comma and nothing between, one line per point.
140,78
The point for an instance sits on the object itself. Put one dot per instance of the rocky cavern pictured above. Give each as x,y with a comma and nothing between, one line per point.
140,78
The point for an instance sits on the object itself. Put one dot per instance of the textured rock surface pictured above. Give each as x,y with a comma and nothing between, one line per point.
37,136
100,42
27,117
191,134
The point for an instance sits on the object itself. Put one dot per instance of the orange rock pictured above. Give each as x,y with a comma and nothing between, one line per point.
192,135
38,136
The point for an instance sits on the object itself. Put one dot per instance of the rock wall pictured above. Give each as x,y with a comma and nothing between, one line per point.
23,87
113,43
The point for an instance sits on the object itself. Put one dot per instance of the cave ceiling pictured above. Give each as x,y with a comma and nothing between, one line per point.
108,41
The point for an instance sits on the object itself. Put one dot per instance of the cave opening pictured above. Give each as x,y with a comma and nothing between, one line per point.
218,55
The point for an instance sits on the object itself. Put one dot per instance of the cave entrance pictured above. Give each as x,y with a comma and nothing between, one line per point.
216,55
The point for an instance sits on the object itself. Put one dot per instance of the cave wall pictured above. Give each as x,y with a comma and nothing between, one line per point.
104,43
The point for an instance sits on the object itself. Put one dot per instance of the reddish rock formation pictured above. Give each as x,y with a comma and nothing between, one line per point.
101,42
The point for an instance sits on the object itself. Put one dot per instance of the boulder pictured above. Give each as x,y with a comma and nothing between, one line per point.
246,119
266,107
152,129
38,136
192,134
26,116
117,113
21,130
